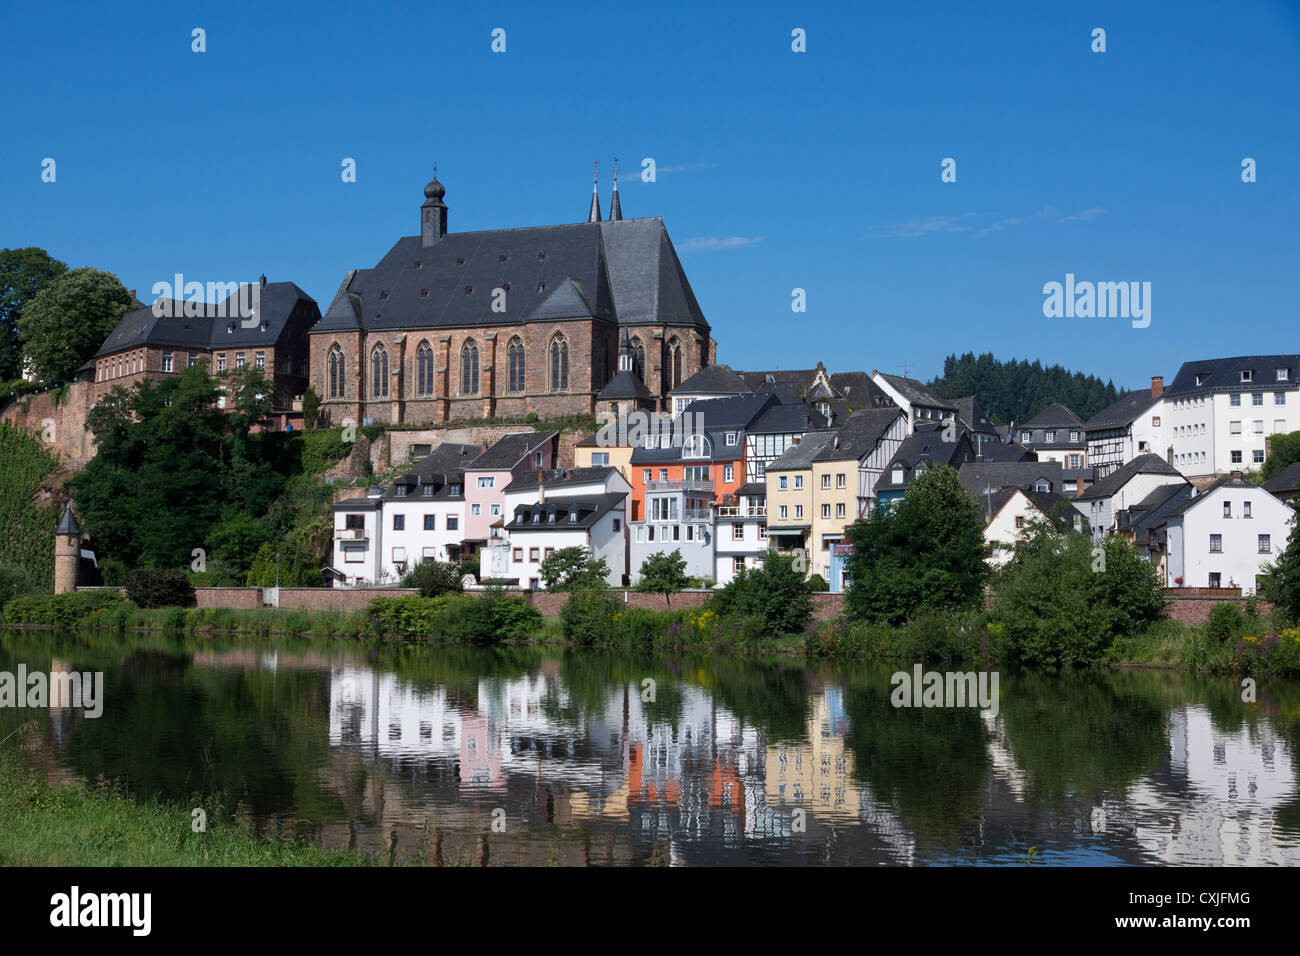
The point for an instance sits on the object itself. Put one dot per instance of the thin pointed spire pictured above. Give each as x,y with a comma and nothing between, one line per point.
615,207
594,215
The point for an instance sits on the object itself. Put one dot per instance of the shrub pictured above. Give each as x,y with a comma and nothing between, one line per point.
775,592
572,569
588,616
406,616
663,573
61,610
14,581
434,577
154,587
487,620
113,572
1226,622
818,583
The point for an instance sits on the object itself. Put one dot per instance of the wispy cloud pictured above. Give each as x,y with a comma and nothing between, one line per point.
1004,224
923,227
683,168
1085,215
714,243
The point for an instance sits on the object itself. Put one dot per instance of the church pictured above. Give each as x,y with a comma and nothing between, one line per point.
452,326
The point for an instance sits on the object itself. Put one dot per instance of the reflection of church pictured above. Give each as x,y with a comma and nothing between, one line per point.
503,322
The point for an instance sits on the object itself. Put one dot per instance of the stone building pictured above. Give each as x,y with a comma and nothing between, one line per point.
454,326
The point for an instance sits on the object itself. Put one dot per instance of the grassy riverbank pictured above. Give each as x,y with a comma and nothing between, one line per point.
77,825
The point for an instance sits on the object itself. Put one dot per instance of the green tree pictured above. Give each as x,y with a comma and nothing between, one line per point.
23,272
297,568
310,408
433,577
776,592
572,569
663,573
1281,583
68,320
925,552
1283,450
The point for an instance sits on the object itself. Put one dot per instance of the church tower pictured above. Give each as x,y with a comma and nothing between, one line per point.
433,213
67,552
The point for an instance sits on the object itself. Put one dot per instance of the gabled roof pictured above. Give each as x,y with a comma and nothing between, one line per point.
1141,465
860,433
924,446
713,380
990,450
971,414
916,392
589,510
978,477
559,478
1227,481
1050,504
1124,411
801,455
626,384
718,416
219,326
1153,510
618,271
786,419
1288,479
1224,374
509,450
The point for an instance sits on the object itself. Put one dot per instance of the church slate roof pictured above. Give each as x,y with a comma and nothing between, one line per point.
626,384
624,271
211,330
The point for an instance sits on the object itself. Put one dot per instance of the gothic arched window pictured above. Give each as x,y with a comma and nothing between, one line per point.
638,359
469,368
559,364
379,372
515,352
674,362
335,365
424,369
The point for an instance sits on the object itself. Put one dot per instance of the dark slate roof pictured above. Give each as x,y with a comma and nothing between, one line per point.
714,380
442,469
971,414
1141,465
796,377
925,444
590,509
1288,479
860,433
1054,415
720,415
1227,481
751,489
917,392
736,411
802,455
1123,412
622,271
508,450
1224,374
786,419
1051,504
626,384
68,523
978,476
212,329
787,393
989,450
561,478
1152,510
859,390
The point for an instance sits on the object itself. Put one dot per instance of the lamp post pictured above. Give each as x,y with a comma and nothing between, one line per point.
277,571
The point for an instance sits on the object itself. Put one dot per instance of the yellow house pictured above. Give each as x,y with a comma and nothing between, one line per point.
587,454
790,496
834,504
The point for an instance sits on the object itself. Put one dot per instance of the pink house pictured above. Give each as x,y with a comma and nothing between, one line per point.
488,475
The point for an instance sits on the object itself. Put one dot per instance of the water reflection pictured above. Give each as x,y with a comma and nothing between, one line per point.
465,755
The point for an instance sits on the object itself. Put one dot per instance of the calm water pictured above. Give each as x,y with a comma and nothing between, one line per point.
418,752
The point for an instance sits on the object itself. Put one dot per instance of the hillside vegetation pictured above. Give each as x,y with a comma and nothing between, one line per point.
26,530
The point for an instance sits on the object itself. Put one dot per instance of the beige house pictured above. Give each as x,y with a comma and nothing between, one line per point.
792,490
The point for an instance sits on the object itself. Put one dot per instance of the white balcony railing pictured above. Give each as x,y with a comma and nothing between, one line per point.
690,484
735,511
353,534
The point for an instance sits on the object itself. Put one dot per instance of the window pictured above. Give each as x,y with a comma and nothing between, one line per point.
1257,398
1020,522
663,474
798,511
826,481
221,361
1282,374
469,368
547,552
559,364
646,473
762,531
1279,398
334,364
798,481
638,358
841,480
640,534
897,476
1257,456
354,555
428,491
193,361
517,555
1024,436
1279,425
453,522
532,554
737,531
431,522
515,356
737,564
239,360
599,458
781,482
1259,426
495,510
1216,543
486,481
1247,375
399,555
1236,457
1155,421
1265,544
1051,437
259,360
826,511
1245,509
731,437
379,372
354,522
674,368
1076,461
1234,428
1227,509
475,510
618,525
1216,579
1235,399
783,513
839,510
167,361
728,473
424,369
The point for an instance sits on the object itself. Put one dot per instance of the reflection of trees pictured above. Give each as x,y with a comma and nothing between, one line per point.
929,763
1085,732
772,697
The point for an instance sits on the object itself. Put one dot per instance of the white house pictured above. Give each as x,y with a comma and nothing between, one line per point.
1014,509
741,533
358,537
1128,428
1225,535
1122,489
567,508
918,403
1220,411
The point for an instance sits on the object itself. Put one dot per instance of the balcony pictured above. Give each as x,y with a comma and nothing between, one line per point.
735,511
691,484
353,534
697,514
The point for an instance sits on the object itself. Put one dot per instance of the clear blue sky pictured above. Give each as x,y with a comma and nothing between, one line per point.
777,170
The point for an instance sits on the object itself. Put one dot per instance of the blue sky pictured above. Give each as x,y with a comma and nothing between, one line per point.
776,170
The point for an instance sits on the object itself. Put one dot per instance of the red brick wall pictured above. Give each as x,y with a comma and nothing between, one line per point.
227,597
1188,609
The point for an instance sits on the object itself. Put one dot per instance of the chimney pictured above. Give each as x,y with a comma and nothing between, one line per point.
541,490
1079,486
1236,476
1157,386
262,280
133,294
